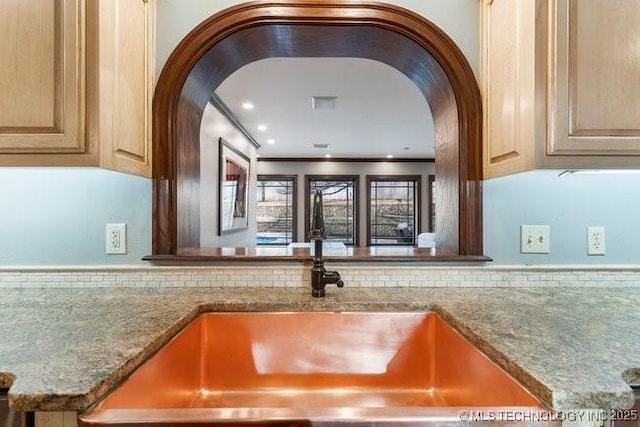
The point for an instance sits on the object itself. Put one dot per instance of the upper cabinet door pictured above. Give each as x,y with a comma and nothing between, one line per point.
125,72
561,84
42,77
508,85
594,78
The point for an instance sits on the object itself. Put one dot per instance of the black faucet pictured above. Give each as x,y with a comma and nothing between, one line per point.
320,277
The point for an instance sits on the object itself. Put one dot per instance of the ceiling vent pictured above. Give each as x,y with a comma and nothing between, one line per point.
321,146
323,102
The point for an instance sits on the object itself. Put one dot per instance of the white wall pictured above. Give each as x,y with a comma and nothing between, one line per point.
458,18
214,126
300,169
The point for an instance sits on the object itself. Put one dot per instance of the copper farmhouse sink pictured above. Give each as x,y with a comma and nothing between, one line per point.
312,368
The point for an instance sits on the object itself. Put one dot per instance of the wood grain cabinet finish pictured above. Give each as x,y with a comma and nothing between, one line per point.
594,77
560,81
508,85
56,419
125,54
42,78
77,83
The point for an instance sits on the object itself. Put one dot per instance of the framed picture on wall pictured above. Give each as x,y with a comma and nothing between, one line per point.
233,198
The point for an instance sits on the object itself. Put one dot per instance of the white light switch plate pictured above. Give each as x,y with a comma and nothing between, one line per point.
534,239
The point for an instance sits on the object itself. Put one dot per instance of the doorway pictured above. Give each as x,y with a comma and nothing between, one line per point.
250,32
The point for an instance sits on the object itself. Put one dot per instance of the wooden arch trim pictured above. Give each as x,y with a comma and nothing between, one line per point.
252,31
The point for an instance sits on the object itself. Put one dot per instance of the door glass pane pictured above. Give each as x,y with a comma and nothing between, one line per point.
275,211
338,200
393,212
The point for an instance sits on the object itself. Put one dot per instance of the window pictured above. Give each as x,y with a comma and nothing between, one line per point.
339,200
394,210
276,209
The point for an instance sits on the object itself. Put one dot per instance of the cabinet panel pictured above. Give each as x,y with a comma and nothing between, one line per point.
594,75
28,71
42,77
56,419
508,68
126,37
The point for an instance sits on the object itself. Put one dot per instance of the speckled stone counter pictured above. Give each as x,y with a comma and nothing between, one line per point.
63,349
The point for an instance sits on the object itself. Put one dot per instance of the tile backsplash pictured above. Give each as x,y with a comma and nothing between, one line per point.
297,275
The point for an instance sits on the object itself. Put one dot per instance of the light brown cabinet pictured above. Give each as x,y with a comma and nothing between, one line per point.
594,77
508,85
121,109
77,83
43,82
560,85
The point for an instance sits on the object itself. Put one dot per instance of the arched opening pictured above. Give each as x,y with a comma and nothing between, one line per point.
252,31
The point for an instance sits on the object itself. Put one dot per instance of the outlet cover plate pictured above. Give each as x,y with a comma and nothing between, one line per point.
596,241
116,239
535,239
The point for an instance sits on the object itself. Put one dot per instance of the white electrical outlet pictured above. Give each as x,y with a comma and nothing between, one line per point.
116,239
534,239
595,241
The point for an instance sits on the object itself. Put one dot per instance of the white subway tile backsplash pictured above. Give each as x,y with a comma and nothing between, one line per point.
299,276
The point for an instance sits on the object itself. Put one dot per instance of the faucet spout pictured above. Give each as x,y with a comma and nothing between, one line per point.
320,277
317,231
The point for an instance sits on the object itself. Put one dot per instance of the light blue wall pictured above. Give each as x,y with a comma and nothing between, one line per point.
568,204
57,216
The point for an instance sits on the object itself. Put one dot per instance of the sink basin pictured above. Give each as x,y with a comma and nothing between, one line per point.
312,367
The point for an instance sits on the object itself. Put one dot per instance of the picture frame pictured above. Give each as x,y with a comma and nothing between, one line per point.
233,195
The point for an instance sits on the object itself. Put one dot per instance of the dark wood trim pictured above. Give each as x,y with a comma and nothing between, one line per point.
345,159
294,196
224,109
164,221
386,254
418,202
248,32
430,180
395,177
356,203
26,418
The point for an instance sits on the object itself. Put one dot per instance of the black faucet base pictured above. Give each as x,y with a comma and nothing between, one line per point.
320,277
317,293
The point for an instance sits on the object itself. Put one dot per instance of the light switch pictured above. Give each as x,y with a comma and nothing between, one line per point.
534,239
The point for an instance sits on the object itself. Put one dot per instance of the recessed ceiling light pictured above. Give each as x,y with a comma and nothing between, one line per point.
389,156
247,106
262,128
327,155
257,155
271,141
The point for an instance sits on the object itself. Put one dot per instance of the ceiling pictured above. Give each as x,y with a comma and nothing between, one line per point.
378,111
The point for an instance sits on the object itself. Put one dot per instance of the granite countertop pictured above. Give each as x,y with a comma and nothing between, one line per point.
63,349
